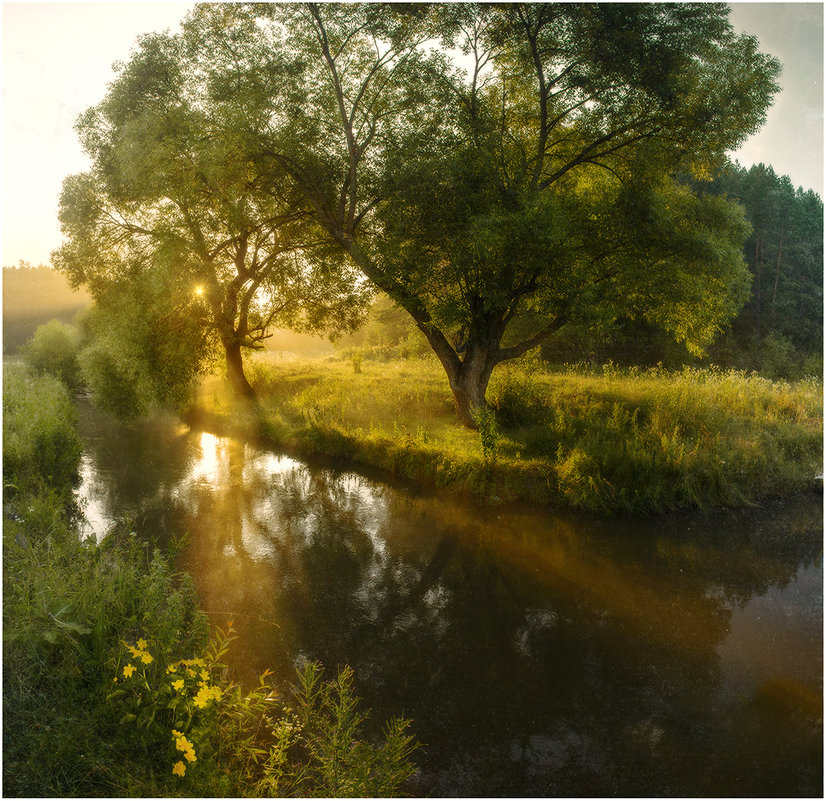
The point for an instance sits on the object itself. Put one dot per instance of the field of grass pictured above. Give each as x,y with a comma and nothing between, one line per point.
606,441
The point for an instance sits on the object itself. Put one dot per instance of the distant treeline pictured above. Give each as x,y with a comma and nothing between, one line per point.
33,296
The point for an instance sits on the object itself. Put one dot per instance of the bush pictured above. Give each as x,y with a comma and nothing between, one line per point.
777,357
117,379
53,349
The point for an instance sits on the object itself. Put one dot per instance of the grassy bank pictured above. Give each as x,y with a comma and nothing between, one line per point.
111,684
606,441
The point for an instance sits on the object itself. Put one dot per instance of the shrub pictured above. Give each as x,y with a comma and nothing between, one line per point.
53,349
116,378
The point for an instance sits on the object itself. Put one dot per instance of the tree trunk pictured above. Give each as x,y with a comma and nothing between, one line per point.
235,372
469,383
757,282
777,271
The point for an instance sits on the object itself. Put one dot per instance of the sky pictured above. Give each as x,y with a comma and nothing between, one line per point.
57,61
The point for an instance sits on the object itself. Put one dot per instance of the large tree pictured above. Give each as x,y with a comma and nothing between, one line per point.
498,170
533,187
172,200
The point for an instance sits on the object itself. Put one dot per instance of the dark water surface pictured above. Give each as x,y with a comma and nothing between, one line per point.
538,654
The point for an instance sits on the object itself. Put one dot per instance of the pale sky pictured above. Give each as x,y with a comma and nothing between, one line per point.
57,60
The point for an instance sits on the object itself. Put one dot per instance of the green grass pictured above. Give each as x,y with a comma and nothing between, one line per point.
608,441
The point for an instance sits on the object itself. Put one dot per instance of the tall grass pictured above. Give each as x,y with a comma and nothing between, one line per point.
606,441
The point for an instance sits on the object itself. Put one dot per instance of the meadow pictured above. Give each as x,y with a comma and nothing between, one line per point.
603,440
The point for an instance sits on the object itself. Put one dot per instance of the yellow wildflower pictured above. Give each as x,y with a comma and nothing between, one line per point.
178,685
172,668
205,675
176,733
146,657
128,670
189,754
179,768
134,651
142,644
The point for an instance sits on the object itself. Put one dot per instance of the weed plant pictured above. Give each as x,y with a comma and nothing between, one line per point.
605,440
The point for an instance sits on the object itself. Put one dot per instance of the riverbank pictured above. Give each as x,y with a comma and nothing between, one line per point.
112,684
605,441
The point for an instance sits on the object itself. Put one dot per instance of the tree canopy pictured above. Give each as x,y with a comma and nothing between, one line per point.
499,171
172,200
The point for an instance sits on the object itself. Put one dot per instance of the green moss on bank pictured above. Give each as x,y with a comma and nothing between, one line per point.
606,442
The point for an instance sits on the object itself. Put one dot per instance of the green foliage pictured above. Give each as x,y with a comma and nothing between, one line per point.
40,443
53,349
119,382
338,763
144,349
784,253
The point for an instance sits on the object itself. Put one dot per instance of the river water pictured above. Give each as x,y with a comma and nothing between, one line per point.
538,654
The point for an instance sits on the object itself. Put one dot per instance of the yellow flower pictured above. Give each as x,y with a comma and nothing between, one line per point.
179,768
203,697
178,685
134,651
142,644
146,657
176,733
189,754
205,675
128,670
172,668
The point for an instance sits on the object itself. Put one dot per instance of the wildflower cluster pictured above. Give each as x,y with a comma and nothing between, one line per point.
139,654
182,744
179,698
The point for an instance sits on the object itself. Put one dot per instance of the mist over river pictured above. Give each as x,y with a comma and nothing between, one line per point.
537,653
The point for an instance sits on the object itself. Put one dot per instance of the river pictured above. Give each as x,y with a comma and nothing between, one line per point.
538,653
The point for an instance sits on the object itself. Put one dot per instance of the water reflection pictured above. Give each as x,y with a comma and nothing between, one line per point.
538,654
